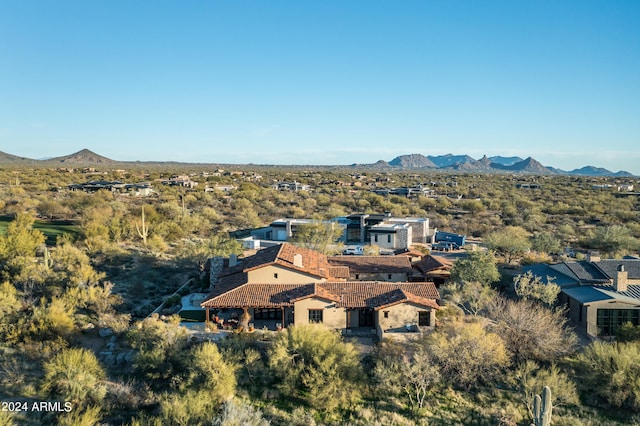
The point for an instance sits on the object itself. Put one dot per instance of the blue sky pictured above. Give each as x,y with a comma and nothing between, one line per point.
322,82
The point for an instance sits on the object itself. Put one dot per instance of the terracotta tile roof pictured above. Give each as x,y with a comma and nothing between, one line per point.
318,291
373,264
430,263
339,272
346,294
260,296
313,262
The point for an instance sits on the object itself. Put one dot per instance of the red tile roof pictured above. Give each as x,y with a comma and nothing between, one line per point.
313,262
347,294
373,264
430,263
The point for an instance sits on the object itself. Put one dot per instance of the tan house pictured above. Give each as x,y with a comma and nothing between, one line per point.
285,285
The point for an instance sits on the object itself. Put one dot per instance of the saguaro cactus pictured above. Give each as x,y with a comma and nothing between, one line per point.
48,263
143,229
542,408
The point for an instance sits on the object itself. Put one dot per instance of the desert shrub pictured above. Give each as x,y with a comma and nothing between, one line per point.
190,408
611,373
466,353
160,347
532,331
312,363
239,414
76,376
211,371
89,416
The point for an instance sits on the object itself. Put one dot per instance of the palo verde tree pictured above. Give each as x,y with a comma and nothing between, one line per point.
19,246
318,236
511,242
477,266
313,364
531,287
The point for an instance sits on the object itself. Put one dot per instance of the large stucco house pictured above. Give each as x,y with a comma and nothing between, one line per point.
285,284
600,294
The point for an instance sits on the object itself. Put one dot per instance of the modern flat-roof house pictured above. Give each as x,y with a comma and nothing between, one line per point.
600,295
283,229
284,284
387,232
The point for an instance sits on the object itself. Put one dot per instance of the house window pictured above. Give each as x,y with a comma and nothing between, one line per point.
315,315
389,276
608,320
267,314
386,314
388,238
357,276
375,238
424,319
275,275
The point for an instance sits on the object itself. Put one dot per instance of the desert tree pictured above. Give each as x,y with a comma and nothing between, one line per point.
611,374
312,363
467,354
407,372
318,236
531,287
511,242
532,331
477,266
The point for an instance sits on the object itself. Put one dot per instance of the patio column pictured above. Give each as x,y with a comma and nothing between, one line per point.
206,314
245,318
283,323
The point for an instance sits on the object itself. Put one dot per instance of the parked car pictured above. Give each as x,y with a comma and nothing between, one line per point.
354,250
444,246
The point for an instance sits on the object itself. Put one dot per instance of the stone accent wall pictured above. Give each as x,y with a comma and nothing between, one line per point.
217,263
403,238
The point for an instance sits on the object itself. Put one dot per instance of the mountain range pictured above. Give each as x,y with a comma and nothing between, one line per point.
497,164
462,163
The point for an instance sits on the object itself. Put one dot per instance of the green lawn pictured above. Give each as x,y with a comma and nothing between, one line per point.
51,229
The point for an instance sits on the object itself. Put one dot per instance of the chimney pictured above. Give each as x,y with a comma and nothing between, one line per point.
621,279
233,260
215,269
297,260
593,256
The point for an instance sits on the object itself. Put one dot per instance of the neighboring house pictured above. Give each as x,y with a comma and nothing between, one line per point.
285,284
142,189
283,229
392,232
378,229
183,180
291,186
600,295
393,236
432,268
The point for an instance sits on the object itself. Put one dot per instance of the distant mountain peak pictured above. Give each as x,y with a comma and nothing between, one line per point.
450,159
412,161
84,156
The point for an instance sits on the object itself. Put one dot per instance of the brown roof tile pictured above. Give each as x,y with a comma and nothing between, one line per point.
431,263
347,294
373,264
313,262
